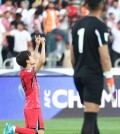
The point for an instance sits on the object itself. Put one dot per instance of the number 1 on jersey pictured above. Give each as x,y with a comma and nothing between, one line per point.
81,39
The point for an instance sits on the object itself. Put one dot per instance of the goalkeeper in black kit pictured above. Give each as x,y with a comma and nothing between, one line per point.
90,59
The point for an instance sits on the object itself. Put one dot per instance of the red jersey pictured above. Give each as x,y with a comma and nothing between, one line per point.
31,88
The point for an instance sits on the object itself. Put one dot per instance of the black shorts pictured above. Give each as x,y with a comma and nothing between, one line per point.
90,88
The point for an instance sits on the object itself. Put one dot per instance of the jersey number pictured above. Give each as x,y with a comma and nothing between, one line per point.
80,33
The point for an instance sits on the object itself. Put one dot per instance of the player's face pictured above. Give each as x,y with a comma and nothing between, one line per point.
20,27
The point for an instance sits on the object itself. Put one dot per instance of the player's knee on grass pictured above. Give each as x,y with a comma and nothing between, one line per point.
91,107
40,131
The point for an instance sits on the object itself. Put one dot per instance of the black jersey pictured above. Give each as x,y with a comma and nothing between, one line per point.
88,34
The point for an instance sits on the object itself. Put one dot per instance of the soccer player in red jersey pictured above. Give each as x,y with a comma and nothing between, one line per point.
31,63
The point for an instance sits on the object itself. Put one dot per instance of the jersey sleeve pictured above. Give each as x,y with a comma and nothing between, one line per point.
102,34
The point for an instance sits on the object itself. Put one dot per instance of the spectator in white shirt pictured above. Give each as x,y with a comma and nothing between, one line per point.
63,16
30,16
111,21
116,43
22,39
114,9
23,11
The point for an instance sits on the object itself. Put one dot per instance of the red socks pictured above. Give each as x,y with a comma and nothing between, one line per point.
21,130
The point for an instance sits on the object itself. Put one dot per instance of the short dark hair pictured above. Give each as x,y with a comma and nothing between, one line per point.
64,4
37,13
110,14
18,15
115,1
22,57
94,4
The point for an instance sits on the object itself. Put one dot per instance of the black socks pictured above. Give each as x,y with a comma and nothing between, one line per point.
90,123
96,130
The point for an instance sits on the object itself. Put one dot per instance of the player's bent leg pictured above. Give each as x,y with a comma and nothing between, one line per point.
40,131
21,130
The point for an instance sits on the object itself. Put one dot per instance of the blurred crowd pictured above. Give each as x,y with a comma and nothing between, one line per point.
21,20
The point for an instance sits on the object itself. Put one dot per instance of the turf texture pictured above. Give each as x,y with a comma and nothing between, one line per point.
73,125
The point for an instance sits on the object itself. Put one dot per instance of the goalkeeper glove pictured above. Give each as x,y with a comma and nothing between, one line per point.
110,84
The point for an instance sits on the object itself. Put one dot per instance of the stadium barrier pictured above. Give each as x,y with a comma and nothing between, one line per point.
59,98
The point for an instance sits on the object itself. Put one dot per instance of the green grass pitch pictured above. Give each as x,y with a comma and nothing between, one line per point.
73,125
